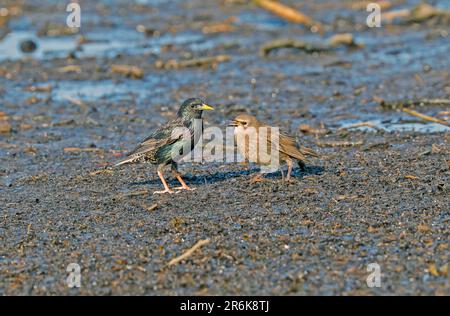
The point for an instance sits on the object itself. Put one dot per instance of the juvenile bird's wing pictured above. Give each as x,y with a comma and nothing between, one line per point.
165,135
308,151
288,146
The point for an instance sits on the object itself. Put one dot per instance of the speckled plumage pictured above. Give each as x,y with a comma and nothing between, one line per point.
169,140
158,147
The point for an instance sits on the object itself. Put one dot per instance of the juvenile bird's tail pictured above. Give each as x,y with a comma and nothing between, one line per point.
288,146
304,153
308,152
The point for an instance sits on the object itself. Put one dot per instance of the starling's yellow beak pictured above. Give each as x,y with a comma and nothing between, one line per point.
206,107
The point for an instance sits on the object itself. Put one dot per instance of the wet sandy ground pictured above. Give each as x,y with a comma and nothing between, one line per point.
384,200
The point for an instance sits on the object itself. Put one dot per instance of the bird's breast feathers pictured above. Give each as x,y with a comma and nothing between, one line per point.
256,147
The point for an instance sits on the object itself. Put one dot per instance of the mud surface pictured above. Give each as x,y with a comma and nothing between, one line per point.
383,199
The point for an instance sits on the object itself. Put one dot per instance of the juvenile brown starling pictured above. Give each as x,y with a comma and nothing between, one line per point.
172,141
278,148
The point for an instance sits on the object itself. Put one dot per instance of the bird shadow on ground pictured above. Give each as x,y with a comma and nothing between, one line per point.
298,173
225,175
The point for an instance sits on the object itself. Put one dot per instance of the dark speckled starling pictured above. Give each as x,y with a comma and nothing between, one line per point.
171,141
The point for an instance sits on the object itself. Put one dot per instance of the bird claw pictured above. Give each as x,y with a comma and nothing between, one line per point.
164,191
184,188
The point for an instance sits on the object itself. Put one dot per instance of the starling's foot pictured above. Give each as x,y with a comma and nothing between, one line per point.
164,191
257,178
184,186
164,182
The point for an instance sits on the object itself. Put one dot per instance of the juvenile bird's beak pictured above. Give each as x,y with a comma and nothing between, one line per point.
232,123
206,107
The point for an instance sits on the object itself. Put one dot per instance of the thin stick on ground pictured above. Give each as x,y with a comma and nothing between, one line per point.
84,107
444,113
425,117
338,143
195,62
188,252
151,207
359,124
129,71
286,12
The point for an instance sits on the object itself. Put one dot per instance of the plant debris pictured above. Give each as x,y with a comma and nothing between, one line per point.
288,13
395,105
70,68
195,62
101,171
129,71
425,117
222,27
308,129
339,143
55,29
420,13
5,126
332,43
188,252
77,149
41,88
150,208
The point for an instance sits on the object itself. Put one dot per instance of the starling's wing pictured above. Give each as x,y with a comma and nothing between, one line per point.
164,136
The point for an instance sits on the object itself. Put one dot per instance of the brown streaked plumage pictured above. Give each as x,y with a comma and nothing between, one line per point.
285,147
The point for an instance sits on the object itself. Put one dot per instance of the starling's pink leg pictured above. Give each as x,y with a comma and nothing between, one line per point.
184,186
166,187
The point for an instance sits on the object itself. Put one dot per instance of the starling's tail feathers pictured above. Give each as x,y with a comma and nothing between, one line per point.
125,161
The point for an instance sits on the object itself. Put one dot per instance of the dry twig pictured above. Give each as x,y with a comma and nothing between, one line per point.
287,13
188,252
151,207
195,62
77,149
359,124
338,143
129,71
344,39
425,117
